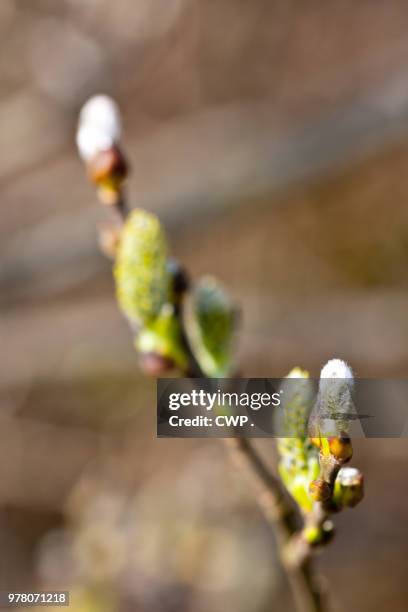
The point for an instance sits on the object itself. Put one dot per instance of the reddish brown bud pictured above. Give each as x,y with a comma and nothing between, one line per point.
109,239
341,448
108,167
154,364
319,490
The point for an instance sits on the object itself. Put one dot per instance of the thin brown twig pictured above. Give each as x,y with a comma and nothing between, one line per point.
281,514
274,504
321,510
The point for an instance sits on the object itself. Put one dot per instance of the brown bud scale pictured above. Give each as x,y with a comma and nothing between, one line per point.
341,448
319,490
154,364
108,166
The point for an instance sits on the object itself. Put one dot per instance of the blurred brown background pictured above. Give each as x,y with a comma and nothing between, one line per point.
272,138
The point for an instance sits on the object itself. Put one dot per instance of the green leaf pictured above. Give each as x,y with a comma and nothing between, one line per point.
163,336
210,321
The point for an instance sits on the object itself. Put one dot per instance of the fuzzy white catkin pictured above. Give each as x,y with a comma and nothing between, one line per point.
347,476
335,396
91,141
336,368
99,126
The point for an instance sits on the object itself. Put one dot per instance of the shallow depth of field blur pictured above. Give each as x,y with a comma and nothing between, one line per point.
272,139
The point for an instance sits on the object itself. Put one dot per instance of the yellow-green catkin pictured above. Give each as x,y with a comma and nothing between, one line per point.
142,282
298,459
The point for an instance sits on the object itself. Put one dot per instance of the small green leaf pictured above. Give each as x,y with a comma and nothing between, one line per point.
210,320
163,336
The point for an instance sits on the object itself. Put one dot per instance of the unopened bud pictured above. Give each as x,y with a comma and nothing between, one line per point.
341,448
317,535
328,532
108,168
109,239
319,490
349,487
334,404
337,369
154,364
313,535
99,126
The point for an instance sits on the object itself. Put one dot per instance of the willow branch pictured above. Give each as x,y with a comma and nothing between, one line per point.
274,504
299,548
272,498
281,514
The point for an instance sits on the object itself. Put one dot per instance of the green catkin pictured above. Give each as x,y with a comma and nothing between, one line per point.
298,459
142,282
